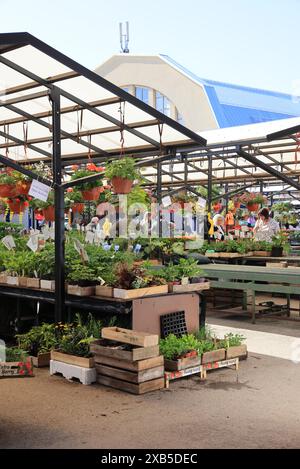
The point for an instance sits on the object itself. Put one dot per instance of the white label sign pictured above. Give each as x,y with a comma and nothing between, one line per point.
9,242
166,201
39,190
33,242
201,202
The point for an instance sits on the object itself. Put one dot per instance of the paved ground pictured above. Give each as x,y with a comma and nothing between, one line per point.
259,408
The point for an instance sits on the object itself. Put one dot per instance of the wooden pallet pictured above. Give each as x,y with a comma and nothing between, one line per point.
200,369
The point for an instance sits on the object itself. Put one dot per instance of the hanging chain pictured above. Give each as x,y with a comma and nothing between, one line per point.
160,131
25,134
297,136
6,131
122,125
79,123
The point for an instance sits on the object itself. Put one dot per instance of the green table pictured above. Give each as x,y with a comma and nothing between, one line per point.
249,278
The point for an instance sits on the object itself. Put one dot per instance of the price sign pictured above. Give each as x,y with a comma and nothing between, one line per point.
39,190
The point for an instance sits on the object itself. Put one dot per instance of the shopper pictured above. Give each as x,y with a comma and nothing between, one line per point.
265,227
219,224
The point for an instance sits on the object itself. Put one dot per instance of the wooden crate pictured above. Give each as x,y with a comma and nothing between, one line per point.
104,290
182,363
190,287
127,336
140,292
131,376
72,359
43,359
12,280
262,253
47,285
81,291
106,348
33,282
136,366
133,388
239,351
213,356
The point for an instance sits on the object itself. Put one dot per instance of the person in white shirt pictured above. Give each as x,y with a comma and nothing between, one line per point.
219,230
265,227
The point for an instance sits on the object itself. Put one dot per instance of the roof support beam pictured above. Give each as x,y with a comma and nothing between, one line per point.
256,162
78,101
23,143
12,164
283,133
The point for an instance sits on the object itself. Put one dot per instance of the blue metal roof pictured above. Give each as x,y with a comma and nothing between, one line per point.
238,105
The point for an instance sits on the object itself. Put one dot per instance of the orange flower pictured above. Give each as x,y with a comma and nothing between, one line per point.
74,167
70,189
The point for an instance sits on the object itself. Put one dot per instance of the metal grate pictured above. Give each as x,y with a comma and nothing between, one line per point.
173,323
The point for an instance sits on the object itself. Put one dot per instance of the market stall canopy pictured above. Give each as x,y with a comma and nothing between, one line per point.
94,112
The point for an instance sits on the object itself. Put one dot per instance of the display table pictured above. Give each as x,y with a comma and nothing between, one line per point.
252,279
144,312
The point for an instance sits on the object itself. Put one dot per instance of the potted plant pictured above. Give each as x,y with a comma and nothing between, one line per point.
180,352
122,172
74,200
233,344
72,357
38,343
7,183
81,279
46,264
135,282
18,204
252,200
279,244
17,364
187,275
90,190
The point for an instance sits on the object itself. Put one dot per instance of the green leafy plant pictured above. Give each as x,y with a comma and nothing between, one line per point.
40,339
172,347
76,338
15,354
122,167
90,170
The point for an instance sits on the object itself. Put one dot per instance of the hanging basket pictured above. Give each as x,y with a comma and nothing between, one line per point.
6,190
121,185
92,194
78,207
22,188
49,213
16,207
252,207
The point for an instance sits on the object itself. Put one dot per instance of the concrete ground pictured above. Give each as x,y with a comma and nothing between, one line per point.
258,407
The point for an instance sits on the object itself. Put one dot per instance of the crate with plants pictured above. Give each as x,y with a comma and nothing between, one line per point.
16,363
186,276
38,343
72,357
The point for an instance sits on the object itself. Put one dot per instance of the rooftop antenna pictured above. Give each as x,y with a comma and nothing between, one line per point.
124,38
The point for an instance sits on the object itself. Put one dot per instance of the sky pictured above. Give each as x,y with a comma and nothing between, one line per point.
247,42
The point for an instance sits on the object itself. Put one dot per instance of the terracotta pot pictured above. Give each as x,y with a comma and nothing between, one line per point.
253,207
49,213
6,190
22,188
121,185
78,207
16,207
92,194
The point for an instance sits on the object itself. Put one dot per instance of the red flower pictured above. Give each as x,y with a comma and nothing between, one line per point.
70,189
26,204
17,200
21,372
20,364
100,169
91,167
28,365
29,198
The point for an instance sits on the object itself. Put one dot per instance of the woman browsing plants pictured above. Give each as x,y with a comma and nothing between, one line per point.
265,227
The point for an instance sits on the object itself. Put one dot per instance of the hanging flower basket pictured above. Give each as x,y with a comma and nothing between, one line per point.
17,206
253,207
121,185
92,194
78,207
49,213
6,190
22,188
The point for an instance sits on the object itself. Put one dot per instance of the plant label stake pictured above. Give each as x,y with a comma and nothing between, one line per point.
9,242
39,190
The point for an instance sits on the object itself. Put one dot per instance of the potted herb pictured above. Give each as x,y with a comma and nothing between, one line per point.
234,346
180,352
46,264
81,279
89,190
122,172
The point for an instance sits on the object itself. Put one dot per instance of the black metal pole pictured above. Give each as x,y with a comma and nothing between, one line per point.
159,183
209,183
59,210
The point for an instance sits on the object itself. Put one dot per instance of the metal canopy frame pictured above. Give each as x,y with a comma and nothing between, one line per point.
182,161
